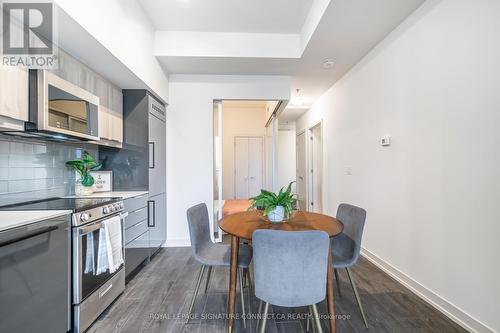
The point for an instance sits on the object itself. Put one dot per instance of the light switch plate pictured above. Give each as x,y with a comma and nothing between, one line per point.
385,141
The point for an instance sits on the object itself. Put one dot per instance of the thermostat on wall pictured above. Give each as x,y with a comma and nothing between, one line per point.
386,141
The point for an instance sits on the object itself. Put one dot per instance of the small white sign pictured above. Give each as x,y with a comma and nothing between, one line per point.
103,181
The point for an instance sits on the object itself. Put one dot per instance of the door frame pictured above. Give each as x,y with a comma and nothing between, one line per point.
234,158
297,161
309,164
217,216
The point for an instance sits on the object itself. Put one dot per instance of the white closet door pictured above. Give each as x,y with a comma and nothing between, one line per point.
301,171
255,165
241,167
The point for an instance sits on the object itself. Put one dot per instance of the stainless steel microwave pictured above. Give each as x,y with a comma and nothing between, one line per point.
59,110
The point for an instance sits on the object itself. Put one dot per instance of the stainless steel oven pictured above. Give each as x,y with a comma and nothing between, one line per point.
94,288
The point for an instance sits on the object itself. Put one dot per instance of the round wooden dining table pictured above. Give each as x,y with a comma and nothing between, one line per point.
242,225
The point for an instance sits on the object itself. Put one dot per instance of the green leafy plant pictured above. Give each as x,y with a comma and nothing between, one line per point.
84,166
267,201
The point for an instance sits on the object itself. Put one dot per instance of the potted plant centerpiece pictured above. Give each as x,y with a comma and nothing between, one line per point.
84,166
276,207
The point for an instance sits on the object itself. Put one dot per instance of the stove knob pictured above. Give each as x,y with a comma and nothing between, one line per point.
105,210
112,208
121,205
84,217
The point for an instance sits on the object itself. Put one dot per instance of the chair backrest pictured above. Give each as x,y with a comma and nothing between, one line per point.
199,229
348,244
290,266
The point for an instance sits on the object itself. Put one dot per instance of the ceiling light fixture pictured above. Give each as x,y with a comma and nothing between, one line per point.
328,63
297,100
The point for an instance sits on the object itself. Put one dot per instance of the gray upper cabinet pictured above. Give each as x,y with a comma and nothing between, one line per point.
13,97
157,148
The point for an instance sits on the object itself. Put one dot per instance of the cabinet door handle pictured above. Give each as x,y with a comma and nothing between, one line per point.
151,215
152,155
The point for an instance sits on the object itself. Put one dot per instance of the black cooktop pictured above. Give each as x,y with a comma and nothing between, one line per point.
74,204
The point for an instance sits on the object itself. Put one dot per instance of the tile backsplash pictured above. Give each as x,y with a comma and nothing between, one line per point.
36,169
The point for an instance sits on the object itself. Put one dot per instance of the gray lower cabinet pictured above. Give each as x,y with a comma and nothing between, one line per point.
157,221
136,233
35,277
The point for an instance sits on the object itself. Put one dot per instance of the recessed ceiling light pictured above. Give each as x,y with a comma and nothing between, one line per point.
328,63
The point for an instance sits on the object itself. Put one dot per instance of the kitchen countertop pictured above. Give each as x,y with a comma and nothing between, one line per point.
13,219
114,194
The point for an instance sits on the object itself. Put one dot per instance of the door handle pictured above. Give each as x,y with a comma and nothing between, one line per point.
152,152
151,216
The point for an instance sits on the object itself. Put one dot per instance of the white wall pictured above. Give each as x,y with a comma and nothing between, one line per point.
123,28
238,121
189,138
432,197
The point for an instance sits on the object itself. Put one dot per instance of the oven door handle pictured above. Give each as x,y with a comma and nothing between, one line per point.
87,229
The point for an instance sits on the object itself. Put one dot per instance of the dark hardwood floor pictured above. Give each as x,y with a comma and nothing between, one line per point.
158,296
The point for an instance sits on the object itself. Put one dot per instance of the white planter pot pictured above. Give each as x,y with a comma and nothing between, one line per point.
277,214
81,190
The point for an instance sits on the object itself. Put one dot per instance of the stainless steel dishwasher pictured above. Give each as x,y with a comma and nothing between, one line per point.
35,275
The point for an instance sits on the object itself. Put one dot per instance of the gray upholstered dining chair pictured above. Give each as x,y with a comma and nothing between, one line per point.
290,269
210,255
347,245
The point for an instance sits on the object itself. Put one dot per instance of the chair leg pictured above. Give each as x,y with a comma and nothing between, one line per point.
317,319
264,318
198,282
337,281
357,296
309,315
240,280
209,275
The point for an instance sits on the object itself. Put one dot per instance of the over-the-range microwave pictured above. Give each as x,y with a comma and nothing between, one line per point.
59,110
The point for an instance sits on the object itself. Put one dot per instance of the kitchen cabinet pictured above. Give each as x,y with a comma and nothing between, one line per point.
157,221
144,155
111,116
136,233
157,154
13,97
35,274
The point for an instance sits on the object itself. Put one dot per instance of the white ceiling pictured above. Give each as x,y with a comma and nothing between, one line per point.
343,30
261,16
292,113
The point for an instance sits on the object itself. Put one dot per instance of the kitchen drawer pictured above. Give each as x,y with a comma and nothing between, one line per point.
136,252
135,217
135,203
134,231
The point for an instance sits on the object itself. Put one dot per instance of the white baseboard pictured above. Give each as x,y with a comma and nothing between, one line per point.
450,310
180,242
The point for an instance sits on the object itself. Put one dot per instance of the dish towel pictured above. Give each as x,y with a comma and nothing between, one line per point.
102,253
90,254
114,251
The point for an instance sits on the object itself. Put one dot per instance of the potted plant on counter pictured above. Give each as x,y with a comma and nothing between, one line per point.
84,166
276,207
